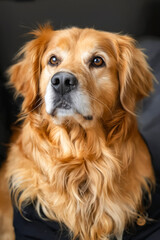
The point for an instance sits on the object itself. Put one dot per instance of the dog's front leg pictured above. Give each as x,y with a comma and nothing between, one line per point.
6,211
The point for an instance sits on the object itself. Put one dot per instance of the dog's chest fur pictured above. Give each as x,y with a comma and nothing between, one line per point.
76,179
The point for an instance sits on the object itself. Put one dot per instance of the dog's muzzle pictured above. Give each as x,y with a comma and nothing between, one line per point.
64,97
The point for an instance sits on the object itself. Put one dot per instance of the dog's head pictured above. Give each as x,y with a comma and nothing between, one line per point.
80,74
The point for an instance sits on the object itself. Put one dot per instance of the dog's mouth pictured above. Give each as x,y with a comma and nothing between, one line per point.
63,104
64,108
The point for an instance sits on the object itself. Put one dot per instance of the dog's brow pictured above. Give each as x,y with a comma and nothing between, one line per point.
57,51
87,55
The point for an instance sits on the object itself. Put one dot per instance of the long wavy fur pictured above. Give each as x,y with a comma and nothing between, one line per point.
91,179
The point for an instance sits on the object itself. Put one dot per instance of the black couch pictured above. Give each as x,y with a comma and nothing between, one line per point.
138,18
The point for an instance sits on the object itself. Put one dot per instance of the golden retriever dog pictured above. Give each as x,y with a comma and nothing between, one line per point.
78,154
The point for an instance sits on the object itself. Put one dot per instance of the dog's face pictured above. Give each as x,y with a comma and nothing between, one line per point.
81,74
78,77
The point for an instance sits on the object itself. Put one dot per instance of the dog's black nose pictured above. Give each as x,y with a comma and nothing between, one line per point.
64,82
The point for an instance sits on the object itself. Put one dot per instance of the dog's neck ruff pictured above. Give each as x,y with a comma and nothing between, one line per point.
75,178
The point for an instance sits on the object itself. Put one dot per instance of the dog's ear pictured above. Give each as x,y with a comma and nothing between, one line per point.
134,73
24,75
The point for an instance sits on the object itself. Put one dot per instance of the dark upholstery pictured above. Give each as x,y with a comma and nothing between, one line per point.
149,118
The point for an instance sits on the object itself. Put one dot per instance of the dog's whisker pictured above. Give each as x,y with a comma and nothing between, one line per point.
99,101
41,102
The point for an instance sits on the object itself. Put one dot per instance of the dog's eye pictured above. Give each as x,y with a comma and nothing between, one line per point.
97,62
54,61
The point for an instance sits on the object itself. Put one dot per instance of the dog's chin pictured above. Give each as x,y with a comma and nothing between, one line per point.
62,115
63,112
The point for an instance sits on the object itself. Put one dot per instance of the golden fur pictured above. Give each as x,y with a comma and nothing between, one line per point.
88,174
